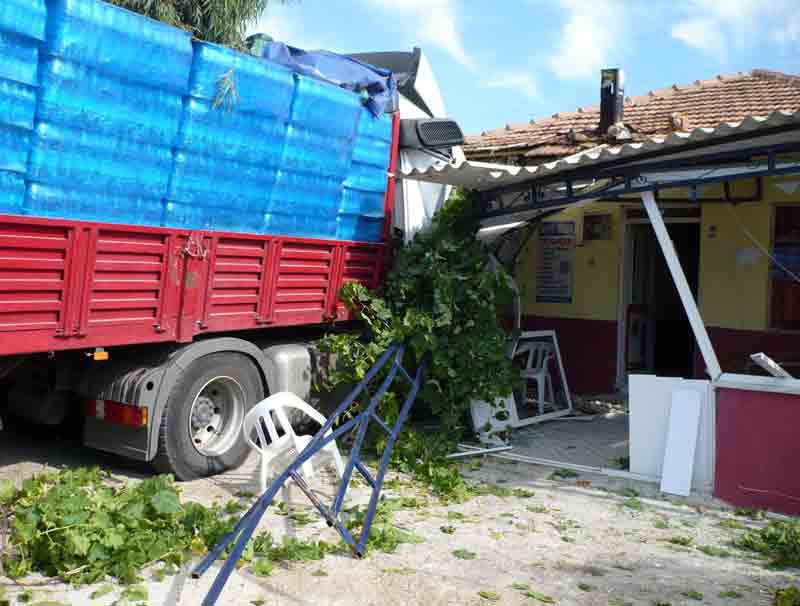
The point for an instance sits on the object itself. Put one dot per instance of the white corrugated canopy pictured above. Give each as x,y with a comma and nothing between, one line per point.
484,176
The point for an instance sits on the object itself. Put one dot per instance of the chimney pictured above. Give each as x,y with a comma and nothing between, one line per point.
612,98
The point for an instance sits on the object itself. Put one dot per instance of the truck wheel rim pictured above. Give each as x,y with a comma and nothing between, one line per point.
215,418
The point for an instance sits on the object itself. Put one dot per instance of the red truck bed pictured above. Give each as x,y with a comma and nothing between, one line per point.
69,284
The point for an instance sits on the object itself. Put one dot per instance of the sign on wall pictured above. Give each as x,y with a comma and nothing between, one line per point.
554,275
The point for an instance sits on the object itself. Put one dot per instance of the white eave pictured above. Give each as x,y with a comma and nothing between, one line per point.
484,176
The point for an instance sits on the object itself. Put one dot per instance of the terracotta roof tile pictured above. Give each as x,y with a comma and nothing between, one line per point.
705,103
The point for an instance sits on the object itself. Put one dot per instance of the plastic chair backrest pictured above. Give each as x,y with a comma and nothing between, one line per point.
539,354
261,415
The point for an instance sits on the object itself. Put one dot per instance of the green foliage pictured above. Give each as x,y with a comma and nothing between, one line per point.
586,587
465,554
753,514
693,595
384,535
75,526
220,21
790,596
633,503
262,567
680,541
779,541
731,593
442,301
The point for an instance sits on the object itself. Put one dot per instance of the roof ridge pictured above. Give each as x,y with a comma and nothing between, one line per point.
650,95
775,75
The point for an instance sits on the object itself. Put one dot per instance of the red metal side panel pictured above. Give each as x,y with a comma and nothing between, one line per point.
34,279
126,284
758,450
238,271
72,284
305,271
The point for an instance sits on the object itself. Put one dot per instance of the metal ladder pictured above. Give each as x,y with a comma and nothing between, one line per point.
246,526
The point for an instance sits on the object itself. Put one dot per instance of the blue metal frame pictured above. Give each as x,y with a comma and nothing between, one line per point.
246,526
633,179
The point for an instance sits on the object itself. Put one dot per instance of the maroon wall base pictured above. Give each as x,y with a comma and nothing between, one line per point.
588,349
734,347
758,450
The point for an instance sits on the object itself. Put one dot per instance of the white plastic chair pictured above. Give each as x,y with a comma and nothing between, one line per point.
260,416
537,368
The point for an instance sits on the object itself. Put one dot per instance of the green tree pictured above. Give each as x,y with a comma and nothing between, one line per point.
221,21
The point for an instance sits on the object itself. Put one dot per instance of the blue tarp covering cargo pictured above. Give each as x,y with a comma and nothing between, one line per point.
106,115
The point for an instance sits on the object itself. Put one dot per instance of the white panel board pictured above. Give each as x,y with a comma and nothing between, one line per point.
684,423
650,399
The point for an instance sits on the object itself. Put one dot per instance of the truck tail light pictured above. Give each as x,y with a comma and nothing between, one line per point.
117,413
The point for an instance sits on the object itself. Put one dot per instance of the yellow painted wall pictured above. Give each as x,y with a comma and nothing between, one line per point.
734,275
734,288
596,272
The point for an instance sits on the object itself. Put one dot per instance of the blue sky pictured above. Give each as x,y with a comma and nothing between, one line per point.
507,61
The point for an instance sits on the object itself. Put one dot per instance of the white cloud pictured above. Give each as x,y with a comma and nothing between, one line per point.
713,26
519,82
588,38
703,34
433,22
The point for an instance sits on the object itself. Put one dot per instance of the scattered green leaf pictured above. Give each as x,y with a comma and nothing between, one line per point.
633,503
101,591
544,599
717,552
563,474
779,541
489,595
537,508
402,570
465,554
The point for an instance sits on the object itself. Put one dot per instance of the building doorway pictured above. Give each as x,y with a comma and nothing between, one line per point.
657,337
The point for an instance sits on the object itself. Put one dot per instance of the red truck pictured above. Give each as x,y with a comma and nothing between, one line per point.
165,337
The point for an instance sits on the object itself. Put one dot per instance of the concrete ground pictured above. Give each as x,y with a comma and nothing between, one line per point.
578,541
597,441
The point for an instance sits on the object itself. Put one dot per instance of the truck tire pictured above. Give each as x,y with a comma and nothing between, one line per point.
200,433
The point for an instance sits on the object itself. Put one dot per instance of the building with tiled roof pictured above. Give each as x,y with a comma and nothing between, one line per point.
705,103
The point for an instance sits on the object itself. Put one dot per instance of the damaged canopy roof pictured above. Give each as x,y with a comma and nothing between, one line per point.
728,143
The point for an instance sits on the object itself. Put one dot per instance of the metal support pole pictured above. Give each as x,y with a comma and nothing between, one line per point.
685,293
